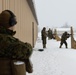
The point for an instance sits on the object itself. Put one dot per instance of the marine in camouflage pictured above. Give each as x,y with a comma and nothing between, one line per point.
64,37
43,37
12,47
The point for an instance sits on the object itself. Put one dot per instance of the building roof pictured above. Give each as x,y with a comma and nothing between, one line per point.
31,5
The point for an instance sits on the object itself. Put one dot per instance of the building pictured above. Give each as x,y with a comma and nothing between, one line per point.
27,26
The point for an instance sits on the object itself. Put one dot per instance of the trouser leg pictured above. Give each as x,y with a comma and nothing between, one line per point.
65,44
61,44
44,45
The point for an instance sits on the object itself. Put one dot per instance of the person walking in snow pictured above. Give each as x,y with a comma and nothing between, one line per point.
64,37
44,36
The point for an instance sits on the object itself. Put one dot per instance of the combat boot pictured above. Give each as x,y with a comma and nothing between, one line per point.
44,46
66,47
60,46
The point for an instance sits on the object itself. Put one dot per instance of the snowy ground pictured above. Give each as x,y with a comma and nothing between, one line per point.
53,60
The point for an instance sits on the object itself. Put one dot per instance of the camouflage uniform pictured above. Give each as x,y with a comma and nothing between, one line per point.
13,48
43,34
64,37
50,34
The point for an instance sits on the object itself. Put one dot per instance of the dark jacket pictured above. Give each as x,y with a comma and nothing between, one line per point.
12,47
43,34
64,36
50,34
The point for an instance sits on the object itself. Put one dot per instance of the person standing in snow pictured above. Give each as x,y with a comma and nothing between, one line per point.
64,37
10,47
44,36
50,34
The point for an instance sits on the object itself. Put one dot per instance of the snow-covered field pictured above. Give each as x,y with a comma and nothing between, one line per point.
53,60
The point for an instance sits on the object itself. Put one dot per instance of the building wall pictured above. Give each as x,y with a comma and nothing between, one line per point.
27,28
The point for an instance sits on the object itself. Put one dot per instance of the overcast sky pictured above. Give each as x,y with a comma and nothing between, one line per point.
55,13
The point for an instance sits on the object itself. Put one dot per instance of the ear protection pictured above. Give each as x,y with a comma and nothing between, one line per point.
12,20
